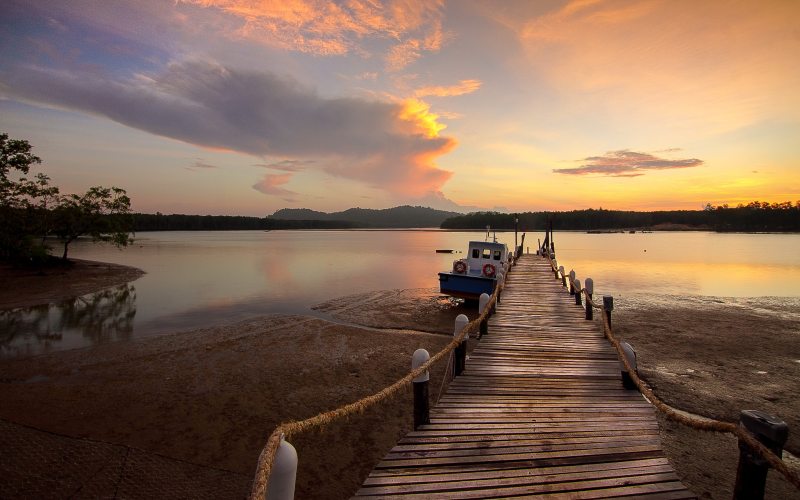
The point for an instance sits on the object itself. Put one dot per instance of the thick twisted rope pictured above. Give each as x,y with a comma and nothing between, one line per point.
705,424
267,457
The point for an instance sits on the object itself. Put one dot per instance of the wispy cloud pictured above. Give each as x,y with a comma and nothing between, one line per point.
200,165
626,163
288,165
463,87
389,145
271,184
322,27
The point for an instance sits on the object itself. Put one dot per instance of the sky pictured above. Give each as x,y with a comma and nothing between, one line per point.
243,107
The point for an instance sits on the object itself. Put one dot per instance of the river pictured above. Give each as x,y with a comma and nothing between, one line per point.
199,279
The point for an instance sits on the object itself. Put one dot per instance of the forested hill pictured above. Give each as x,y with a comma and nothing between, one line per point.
397,217
754,217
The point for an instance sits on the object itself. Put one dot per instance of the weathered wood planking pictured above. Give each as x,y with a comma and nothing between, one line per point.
539,410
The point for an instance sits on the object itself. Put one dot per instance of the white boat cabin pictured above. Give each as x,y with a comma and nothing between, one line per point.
486,258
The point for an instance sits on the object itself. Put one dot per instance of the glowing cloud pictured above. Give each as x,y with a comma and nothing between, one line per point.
418,114
463,87
326,28
391,146
626,163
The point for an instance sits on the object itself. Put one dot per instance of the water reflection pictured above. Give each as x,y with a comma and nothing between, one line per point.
200,279
90,319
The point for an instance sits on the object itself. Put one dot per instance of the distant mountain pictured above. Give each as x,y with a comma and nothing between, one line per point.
397,217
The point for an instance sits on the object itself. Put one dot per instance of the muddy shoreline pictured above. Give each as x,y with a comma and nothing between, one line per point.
211,396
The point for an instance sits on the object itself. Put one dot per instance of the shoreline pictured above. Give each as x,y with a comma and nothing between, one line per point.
211,396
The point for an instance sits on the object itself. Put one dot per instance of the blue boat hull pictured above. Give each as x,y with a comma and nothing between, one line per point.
465,286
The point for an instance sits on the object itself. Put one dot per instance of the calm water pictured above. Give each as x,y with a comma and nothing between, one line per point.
197,279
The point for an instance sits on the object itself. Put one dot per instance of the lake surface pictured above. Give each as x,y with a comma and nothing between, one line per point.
199,279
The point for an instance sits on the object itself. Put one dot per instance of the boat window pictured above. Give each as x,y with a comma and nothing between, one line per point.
476,253
497,255
487,254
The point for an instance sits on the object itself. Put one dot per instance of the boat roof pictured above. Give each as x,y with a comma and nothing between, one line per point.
487,244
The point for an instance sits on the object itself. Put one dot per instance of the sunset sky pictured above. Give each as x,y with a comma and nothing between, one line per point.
246,106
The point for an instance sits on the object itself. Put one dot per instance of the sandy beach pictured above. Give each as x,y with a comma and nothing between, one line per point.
212,396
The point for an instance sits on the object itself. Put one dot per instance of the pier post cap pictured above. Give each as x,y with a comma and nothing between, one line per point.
419,358
483,301
765,427
577,283
589,285
284,473
561,269
572,274
608,302
630,353
461,322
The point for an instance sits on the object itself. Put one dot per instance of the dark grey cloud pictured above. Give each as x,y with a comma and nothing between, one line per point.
627,163
251,112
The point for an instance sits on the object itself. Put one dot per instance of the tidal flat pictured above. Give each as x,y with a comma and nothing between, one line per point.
211,396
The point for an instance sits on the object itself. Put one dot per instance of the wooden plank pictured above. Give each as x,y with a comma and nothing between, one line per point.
540,409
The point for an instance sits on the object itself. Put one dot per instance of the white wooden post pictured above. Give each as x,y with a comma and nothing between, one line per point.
420,383
577,285
284,473
483,303
563,276
630,356
571,282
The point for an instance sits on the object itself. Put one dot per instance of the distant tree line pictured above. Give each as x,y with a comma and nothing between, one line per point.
181,222
753,217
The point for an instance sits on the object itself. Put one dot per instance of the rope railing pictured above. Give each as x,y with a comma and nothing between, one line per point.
267,457
704,424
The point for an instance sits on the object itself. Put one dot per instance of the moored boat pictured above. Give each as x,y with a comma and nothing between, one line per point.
477,273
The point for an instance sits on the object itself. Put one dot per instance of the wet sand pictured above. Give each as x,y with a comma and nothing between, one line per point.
27,287
212,396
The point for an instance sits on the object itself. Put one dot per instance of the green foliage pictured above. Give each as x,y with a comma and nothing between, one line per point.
32,209
102,213
22,200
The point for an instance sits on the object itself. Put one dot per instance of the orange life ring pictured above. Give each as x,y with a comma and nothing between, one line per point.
489,270
459,267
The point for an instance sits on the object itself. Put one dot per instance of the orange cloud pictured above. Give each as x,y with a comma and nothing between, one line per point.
626,163
323,27
463,87
271,184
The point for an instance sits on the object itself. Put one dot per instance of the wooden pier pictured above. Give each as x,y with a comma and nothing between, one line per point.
540,409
